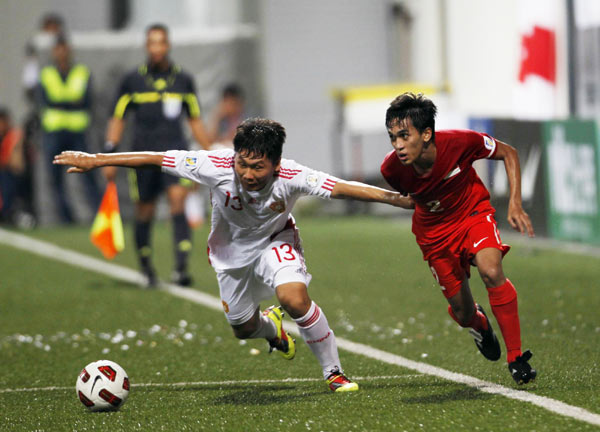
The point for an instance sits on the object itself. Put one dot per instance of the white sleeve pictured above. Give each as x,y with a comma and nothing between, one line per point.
308,181
198,166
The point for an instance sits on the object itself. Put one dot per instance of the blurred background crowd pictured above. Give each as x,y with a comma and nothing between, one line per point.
525,71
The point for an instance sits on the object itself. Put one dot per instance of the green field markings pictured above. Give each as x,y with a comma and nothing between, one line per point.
77,259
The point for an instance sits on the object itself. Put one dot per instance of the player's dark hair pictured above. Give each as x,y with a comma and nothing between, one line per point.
417,107
158,26
260,137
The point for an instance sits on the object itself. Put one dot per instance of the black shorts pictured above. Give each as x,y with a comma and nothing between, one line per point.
146,184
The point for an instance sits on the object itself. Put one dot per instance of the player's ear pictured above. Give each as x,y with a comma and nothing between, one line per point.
427,134
277,165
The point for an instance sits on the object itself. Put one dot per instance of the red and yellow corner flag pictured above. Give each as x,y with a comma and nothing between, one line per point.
107,229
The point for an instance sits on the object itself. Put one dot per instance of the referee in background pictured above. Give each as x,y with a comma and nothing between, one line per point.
160,94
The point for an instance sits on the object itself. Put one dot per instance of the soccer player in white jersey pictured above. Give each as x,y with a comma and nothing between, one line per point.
254,244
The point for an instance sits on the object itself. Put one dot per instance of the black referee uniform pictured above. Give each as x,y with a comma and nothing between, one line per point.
159,99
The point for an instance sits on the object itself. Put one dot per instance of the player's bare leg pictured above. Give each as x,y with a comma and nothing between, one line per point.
256,327
144,214
269,326
294,298
503,300
463,309
182,243
314,328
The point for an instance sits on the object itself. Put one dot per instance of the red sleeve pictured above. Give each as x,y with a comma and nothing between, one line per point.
478,145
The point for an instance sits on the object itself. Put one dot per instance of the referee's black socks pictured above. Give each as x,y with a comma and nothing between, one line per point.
142,243
182,241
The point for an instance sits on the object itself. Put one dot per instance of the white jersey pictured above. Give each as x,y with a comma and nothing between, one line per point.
243,222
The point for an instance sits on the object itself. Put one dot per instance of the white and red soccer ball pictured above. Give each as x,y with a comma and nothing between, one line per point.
102,385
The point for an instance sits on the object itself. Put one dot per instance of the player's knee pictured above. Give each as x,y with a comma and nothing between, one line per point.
296,307
492,275
294,299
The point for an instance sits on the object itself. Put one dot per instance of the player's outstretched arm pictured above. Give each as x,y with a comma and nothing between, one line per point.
363,192
82,162
517,218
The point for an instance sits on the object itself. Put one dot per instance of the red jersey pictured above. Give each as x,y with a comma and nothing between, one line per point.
451,194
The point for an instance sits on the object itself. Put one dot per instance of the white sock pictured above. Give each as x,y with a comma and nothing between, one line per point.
315,330
266,329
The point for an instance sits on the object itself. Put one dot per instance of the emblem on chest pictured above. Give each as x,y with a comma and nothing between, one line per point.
278,206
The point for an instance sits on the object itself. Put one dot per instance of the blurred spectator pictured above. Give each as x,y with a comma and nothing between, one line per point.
228,115
51,25
11,165
65,101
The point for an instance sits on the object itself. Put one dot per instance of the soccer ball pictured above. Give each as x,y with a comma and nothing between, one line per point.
102,386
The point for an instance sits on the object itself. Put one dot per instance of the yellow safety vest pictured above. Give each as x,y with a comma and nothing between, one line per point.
72,90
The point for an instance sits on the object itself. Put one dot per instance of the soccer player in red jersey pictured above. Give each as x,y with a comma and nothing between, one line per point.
454,221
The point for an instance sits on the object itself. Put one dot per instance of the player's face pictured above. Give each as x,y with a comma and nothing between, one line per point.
407,141
254,172
157,46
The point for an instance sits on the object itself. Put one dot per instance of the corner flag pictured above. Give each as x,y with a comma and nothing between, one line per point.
107,229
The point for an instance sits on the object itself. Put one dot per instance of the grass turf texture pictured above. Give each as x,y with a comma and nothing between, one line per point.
369,279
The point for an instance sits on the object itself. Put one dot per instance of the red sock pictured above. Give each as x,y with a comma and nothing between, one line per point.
503,300
479,322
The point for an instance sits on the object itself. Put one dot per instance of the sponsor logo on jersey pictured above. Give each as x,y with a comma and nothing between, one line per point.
278,206
191,162
225,306
312,180
489,143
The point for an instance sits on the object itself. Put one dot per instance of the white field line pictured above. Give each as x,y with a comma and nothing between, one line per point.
77,259
218,383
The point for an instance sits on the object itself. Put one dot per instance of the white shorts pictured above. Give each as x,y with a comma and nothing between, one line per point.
242,290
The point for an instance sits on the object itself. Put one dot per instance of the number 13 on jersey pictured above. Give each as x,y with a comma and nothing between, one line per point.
285,252
235,203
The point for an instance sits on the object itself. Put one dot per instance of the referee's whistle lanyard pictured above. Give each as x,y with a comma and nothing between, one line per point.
171,105
153,83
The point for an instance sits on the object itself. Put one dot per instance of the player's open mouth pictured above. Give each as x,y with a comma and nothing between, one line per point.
403,157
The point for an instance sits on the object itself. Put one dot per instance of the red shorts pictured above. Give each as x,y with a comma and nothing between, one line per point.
451,265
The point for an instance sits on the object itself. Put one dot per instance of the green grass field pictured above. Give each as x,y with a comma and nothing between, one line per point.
370,280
